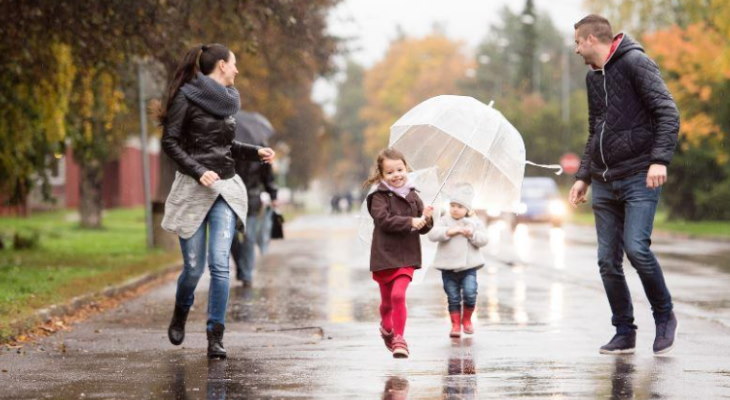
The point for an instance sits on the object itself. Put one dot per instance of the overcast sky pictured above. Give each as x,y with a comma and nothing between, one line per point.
372,24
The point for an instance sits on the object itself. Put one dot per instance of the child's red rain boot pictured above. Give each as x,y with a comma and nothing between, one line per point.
466,320
400,347
455,324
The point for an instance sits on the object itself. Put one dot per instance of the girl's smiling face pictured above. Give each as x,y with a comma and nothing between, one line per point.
394,172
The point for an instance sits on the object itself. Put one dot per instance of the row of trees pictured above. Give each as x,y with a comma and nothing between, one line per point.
524,64
527,66
70,76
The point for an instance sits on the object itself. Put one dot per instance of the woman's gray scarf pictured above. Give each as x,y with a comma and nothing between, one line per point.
211,96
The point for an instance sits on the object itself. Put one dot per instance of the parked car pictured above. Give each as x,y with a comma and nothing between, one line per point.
540,202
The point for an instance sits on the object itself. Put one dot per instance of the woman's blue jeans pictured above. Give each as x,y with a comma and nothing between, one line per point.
458,285
221,223
624,211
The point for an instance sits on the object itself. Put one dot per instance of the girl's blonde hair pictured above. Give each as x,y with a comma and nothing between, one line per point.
377,174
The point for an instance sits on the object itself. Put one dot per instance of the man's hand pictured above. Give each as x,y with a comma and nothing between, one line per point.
208,178
267,154
578,193
656,176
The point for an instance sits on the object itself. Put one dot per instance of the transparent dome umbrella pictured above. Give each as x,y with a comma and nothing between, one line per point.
468,142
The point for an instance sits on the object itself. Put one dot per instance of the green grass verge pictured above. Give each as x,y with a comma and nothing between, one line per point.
70,261
706,229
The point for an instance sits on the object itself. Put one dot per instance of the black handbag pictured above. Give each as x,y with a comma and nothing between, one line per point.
277,225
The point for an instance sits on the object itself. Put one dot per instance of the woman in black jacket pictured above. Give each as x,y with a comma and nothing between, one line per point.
207,195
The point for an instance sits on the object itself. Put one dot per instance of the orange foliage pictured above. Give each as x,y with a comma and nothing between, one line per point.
412,71
691,62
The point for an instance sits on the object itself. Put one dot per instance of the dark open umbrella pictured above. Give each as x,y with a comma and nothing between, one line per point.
253,128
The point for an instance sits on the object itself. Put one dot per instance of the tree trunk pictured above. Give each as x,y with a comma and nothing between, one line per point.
91,202
160,237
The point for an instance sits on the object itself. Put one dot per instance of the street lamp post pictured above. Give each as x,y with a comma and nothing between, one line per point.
565,92
145,157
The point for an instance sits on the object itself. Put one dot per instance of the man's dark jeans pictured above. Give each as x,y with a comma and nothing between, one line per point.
458,283
624,211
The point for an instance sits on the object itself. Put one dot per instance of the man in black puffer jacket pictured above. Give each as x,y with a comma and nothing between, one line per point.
632,134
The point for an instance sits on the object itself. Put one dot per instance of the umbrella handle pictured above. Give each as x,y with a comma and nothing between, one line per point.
547,166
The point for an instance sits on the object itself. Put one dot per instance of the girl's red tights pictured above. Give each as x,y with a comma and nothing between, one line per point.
393,311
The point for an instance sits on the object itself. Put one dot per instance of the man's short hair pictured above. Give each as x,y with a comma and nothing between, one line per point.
595,25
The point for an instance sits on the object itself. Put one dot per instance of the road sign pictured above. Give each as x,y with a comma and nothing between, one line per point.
570,163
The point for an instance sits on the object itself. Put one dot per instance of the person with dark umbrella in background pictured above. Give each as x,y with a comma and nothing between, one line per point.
254,129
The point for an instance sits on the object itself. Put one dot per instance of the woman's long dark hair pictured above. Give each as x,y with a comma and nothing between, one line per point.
202,58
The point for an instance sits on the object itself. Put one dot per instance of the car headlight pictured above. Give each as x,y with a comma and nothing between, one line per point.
557,208
522,208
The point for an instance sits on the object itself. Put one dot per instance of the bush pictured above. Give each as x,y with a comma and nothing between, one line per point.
26,239
715,203
698,186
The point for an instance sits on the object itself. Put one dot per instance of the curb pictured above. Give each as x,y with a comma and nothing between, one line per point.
60,310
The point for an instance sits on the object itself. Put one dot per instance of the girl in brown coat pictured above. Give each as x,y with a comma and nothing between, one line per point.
399,217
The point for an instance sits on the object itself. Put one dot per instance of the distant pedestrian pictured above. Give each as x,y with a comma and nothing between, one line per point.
259,178
632,134
335,203
207,195
399,217
460,235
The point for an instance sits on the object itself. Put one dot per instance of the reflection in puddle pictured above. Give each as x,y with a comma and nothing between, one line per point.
339,303
460,381
217,388
520,296
494,235
556,302
396,388
187,382
492,295
557,247
622,385
521,240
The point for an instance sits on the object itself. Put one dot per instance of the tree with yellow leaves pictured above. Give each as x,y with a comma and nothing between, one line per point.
690,58
413,70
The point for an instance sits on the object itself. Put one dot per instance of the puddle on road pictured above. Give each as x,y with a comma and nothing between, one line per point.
178,376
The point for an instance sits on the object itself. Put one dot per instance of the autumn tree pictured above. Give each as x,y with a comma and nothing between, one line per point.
413,70
700,84
32,115
349,164
82,52
551,116
528,47
46,47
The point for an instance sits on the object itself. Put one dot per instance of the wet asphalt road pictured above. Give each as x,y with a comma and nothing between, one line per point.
308,330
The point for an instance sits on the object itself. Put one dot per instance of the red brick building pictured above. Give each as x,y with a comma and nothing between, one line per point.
122,186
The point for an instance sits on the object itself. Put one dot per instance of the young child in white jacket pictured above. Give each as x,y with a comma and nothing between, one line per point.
460,235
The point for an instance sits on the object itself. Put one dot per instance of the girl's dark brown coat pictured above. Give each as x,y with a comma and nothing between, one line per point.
394,244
